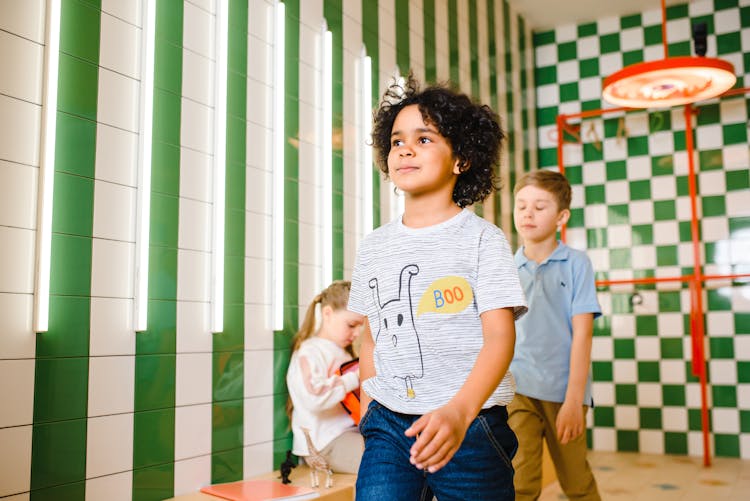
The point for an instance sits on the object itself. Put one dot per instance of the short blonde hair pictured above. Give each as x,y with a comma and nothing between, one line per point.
550,181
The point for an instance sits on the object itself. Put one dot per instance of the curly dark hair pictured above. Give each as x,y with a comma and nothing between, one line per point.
473,131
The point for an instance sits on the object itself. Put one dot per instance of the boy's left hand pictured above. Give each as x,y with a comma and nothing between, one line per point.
439,435
569,422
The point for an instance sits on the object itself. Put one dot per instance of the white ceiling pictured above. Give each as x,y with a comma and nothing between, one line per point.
543,15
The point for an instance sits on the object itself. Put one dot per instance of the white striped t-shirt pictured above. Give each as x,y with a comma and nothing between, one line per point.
423,290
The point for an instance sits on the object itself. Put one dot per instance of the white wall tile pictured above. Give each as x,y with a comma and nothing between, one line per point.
192,275
191,474
198,78
16,337
255,243
193,328
23,61
15,469
195,175
118,487
19,131
119,46
109,445
195,126
17,260
258,373
127,10
257,334
112,268
193,378
25,19
651,441
258,459
18,199
192,431
116,155
111,331
194,230
114,211
257,190
17,392
257,280
198,30
258,420
117,103
111,385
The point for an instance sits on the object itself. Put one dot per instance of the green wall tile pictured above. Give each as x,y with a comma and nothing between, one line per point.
675,443
79,30
154,382
153,483
673,395
75,146
650,418
727,445
77,87
73,212
156,430
70,272
627,441
58,453
68,333
61,386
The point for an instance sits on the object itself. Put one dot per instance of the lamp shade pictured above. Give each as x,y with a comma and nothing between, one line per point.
669,82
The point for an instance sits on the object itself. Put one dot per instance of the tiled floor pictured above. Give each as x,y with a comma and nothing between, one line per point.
642,477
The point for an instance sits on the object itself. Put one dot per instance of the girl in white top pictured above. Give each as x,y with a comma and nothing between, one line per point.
315,388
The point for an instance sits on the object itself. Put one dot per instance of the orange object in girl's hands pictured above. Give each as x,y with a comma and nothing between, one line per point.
351,400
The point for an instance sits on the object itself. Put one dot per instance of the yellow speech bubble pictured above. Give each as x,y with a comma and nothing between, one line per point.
446,295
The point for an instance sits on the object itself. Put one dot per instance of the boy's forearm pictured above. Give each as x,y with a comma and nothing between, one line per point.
580,357
491,364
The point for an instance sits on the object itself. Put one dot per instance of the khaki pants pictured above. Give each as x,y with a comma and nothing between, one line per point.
533,421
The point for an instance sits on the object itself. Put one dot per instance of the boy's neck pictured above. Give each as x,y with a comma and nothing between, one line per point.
540,250
421,213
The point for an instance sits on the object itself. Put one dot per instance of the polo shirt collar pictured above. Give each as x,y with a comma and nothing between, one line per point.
561,253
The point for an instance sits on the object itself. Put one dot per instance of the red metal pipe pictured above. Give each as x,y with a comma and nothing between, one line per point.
696,308
696,280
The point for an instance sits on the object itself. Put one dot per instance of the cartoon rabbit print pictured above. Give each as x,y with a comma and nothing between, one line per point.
396,336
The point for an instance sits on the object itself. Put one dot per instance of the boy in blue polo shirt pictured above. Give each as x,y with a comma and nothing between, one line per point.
553,342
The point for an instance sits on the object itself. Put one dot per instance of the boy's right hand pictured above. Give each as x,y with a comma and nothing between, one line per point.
439,434
569,422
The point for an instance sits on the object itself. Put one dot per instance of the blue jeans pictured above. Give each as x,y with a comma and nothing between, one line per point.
480,470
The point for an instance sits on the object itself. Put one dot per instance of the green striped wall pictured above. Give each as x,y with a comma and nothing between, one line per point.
58,455
170,437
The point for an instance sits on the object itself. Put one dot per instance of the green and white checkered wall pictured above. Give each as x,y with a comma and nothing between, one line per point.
631,212
91,410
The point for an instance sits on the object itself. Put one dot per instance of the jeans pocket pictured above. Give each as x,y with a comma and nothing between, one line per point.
363,420
500,437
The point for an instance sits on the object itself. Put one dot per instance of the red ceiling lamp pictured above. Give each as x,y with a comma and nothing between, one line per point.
673,80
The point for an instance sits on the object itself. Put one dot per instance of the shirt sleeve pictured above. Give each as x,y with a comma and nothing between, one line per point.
498,285
584,291
312,387
360,289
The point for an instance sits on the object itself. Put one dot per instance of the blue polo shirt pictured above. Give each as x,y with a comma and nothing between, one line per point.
556,290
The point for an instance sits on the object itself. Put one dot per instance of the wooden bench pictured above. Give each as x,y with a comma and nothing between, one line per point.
342,490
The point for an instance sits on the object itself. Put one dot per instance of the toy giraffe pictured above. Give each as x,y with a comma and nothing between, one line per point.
317,463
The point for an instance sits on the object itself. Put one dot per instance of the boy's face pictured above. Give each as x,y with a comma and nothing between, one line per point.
421,160
536,215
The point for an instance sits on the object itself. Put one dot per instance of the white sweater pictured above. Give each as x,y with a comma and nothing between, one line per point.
317,391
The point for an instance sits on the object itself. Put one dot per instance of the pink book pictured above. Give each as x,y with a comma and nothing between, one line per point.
260,490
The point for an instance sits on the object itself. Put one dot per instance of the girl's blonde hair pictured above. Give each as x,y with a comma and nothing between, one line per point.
336,296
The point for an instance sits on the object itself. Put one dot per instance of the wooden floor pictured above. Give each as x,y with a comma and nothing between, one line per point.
641,477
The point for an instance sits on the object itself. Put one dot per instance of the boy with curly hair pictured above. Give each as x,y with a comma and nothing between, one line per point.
440,294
